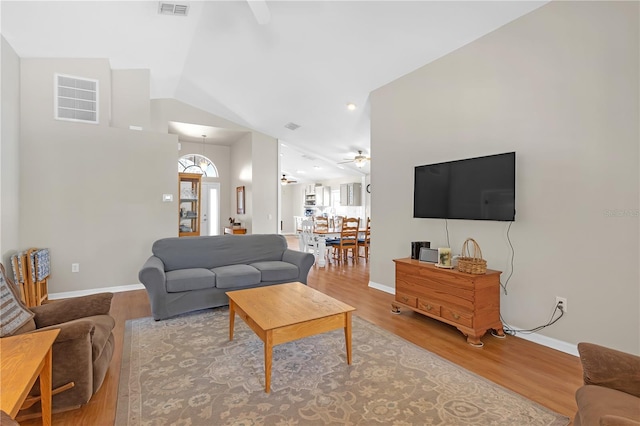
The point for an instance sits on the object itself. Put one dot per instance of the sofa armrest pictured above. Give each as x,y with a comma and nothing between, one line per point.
610,368
152,275
65,310
304,262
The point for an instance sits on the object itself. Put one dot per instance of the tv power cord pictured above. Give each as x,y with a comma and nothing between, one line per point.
512,331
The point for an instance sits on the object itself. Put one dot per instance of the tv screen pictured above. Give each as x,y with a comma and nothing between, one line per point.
482,188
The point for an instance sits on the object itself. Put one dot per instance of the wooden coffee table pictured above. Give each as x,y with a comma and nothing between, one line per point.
285,312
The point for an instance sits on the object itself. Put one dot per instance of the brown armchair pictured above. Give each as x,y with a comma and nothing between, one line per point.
611,391
81,353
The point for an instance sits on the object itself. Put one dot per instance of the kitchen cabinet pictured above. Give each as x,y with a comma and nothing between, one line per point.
351,194
323,195
189,205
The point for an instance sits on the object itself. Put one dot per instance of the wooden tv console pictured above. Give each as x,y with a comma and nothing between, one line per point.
469,302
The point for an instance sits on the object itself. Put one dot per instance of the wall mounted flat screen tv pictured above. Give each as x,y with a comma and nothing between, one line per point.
482,188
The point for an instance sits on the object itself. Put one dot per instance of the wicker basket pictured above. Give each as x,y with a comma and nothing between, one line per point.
472,262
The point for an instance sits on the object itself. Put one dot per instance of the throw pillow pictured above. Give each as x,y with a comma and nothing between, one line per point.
13,314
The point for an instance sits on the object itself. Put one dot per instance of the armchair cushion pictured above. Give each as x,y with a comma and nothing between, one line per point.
597,403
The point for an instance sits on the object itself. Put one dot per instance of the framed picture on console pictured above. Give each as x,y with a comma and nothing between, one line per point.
240,199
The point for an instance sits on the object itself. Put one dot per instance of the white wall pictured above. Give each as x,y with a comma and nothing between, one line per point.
288,209
560,87
9,152
130,98
91,193
264,194
242,175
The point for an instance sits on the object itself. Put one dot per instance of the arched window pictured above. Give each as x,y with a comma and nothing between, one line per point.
196,163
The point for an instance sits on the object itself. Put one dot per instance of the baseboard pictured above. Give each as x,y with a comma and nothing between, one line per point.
549,342
382,287
68,294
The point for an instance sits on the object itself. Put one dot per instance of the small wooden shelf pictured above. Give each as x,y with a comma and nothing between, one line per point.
189,205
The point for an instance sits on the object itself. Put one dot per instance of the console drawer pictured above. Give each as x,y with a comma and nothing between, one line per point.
407,299
429,307
461,318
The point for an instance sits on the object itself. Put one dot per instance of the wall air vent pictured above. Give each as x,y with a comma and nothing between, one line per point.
76,99
173,9
292,126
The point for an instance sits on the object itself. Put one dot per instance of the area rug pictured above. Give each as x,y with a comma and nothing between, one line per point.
185,371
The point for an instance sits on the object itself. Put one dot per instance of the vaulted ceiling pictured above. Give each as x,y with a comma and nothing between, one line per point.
269,65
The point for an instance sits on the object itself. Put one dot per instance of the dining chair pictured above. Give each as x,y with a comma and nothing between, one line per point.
348,240
321,224
363,241
308,241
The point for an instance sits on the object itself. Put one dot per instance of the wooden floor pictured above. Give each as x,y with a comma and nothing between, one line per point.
544,375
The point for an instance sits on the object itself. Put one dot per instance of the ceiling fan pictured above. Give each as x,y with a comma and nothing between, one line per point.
359,159
286,181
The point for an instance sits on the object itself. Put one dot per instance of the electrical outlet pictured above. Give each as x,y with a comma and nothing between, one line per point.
562,301
75,267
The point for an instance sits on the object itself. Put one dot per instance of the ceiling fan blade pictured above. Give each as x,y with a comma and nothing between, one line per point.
348,161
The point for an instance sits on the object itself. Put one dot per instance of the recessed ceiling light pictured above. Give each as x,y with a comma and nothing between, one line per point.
317,167
351,106
301,171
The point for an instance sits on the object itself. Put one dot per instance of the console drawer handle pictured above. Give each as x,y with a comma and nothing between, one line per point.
405,299
429,307
455,316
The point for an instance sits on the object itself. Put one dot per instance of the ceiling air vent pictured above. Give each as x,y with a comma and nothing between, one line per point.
173,9
292,126
76,99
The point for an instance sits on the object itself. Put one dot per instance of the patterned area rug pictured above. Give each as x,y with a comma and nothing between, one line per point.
185,371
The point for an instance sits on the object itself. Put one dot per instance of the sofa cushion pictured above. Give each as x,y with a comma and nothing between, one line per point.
219,250
190,279
277,271
595,402
234,276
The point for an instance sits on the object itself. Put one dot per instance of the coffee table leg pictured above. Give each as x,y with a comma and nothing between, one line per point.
232,317
347,335
268,352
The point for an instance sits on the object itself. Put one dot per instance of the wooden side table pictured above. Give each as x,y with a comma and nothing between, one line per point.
240,231
24,358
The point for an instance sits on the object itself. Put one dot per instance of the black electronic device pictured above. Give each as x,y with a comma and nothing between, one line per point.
482,188
416,246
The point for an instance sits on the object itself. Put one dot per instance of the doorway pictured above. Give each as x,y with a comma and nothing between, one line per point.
210,217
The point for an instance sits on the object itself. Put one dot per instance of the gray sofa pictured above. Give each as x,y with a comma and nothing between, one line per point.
191,273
